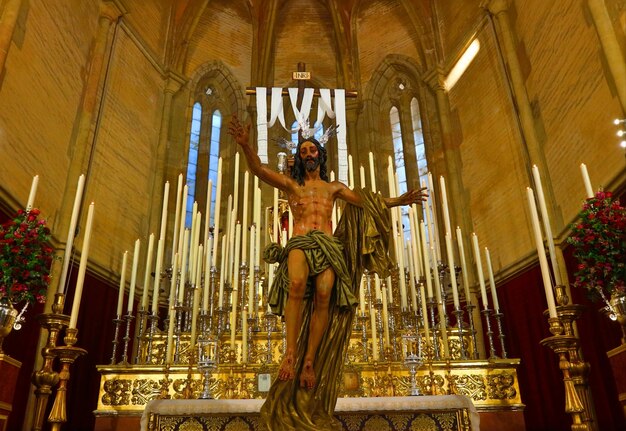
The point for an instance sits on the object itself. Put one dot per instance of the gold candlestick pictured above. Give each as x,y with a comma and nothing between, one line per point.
67,355
561,344
46,378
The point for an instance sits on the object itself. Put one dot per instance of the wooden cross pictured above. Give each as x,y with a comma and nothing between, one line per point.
301,75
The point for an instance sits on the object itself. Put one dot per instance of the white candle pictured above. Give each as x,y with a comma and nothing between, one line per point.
234,305
444,203
166,195
157,276
230,237
432,235
244,224
455,290
374,334
207,212
479,269
586,180
425,256
244,336
257,223
179,192
415,244
431,211
181,227
362,176
133,277
409,259
379,294
385,319
350,172
464,268
82,269
362,295
251,270
546,225
183,267
389,288
492,283
231,248
120,294
32,193
543,262
220,302
196,302
236,185
290,221
275,227
207,276
146,276
69,244
216,216
171,311
192,237
372,172
425,314
197,256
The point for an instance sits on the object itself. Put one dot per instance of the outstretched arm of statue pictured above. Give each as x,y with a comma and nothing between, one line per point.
414,196
241,134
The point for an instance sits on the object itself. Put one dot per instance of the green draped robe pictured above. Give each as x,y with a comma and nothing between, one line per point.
360,242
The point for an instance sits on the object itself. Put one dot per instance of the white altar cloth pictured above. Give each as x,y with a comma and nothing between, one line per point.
344,405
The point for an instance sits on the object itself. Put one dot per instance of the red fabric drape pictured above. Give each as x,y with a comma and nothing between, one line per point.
523,301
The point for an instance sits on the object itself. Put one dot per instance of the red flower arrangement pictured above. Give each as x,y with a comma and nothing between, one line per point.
25,258
599,241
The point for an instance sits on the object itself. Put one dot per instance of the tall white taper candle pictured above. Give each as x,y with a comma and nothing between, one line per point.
133,277
69,244
82,268
32,193
543,262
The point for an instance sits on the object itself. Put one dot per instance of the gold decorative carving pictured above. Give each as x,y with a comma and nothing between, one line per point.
116,392
501,386
144,390
470,385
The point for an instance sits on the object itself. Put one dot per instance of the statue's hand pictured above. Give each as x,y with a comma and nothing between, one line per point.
415,196
240,133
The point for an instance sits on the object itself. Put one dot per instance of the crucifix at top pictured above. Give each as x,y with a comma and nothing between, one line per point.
331,103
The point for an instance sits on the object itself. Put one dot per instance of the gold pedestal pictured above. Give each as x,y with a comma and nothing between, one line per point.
46,378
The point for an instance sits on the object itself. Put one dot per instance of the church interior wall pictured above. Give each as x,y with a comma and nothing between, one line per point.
125,153
493,167
224,32
40,92
456,20
304,33
151,21
373,20
574,104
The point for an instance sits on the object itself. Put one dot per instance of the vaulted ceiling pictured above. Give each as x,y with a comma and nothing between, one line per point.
343,39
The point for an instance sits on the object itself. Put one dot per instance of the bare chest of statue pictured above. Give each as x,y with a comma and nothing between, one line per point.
311,207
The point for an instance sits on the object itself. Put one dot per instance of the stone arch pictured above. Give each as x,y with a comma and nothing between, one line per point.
381,93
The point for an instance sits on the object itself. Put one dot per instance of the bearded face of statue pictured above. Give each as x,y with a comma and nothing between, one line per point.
310,156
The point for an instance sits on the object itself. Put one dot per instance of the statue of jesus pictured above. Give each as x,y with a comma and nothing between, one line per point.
313,264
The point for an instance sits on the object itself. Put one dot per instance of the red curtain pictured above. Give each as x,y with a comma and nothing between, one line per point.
523,301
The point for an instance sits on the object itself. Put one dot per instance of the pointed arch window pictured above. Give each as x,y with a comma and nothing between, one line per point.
420,148
192,160
398,151
214,154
